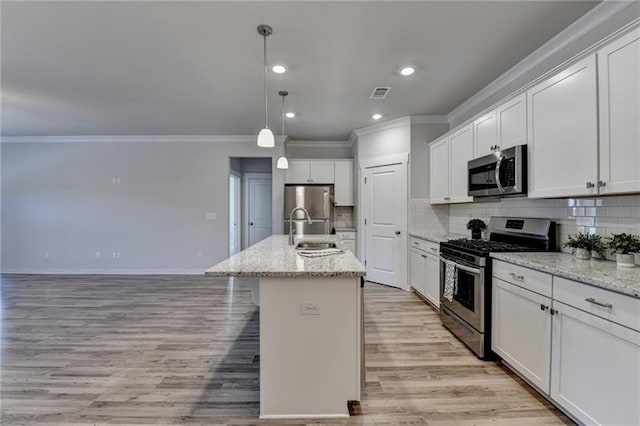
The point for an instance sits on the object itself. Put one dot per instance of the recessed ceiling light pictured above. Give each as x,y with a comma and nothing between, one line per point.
376,116
279,69
290,114
407,71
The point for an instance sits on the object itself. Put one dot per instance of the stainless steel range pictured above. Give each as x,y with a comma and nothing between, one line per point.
468,313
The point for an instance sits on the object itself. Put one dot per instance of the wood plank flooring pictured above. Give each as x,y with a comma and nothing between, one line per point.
184,350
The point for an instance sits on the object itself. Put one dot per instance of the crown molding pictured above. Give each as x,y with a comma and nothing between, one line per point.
136,139
398,122
318,144
429,119
583,25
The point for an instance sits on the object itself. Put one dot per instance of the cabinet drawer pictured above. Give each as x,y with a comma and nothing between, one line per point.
426,246
535,281
616,307
346,235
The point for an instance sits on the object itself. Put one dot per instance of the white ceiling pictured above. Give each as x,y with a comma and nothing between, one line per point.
190,68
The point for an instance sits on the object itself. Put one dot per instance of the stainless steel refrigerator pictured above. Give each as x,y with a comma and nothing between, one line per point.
318,200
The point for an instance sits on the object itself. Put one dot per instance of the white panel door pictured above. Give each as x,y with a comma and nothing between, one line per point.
418,267
563,133
521,331
619,84
460,152
512,122
595,368
485,131
343,190
259,209
385,223
439,172
433,280
298,172
321,172
235,213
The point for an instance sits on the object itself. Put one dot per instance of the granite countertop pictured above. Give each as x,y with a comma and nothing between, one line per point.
433,237
345,229
599,273
273,257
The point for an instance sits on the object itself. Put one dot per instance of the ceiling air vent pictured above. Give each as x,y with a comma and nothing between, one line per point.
380,92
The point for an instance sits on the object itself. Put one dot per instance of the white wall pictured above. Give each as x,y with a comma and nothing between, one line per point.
59,198
421,135
385,139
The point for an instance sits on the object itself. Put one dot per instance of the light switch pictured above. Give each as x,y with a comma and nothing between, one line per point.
309,308
211,216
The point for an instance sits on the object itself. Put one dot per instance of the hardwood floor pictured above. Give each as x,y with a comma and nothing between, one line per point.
184,350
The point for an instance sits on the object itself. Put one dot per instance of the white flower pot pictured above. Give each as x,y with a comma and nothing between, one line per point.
583,254
626,260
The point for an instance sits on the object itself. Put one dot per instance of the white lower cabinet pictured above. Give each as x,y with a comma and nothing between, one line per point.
595,368
521,331
419,271
583,352
433,280
425,270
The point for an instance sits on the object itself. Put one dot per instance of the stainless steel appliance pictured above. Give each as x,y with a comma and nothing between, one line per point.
503,173
468,315
317,200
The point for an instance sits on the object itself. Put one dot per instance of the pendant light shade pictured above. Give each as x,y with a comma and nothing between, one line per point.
265,137
282,163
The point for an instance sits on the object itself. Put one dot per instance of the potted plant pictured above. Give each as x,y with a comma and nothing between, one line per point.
583,245
624,246
476,226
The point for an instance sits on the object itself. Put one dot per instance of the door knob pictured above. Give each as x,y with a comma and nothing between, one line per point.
397,232
250,223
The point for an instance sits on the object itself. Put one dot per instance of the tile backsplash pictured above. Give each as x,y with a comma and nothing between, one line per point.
343,217
427,218
598,215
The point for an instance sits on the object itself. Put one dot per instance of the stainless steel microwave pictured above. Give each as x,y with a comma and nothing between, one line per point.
503,173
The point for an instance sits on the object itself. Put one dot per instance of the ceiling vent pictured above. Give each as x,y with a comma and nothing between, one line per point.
380,92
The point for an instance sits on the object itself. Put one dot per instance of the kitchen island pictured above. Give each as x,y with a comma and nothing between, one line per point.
311,327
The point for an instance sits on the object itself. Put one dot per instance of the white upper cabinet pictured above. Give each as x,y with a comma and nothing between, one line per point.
460,152
439,172
343,183
511,118
310,171
619,85
485,134
298,172
563,133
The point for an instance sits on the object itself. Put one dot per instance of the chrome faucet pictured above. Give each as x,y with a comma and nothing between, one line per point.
291,222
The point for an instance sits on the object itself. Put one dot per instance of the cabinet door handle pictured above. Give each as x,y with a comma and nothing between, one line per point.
518,277
553,311
602,184
590,185
596,302
397,232
434,249
543,307
424,256
447,198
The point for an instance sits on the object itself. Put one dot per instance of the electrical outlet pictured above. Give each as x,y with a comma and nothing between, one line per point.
114,255
211,216
309,308
98,255
115,181
118,255
47,255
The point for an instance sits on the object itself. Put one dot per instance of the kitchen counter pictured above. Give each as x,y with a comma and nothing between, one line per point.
346,229
434,237
311,326
599,273
273,257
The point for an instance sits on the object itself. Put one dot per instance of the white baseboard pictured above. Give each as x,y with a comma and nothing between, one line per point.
36,271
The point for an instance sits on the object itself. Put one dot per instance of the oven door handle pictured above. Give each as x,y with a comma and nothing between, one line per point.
498,164
464,268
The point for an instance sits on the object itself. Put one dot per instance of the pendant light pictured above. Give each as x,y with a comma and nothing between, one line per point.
265,137
282,163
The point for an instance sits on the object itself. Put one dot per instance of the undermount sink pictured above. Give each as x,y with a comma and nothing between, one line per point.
315,246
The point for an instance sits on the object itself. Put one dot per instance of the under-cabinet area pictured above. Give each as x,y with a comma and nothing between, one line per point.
575,343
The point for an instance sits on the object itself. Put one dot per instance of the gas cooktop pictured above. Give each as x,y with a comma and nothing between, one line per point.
483,247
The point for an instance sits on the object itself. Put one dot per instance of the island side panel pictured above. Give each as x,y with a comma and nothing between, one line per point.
309,364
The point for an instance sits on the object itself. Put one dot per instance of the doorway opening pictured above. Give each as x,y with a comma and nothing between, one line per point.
250,198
